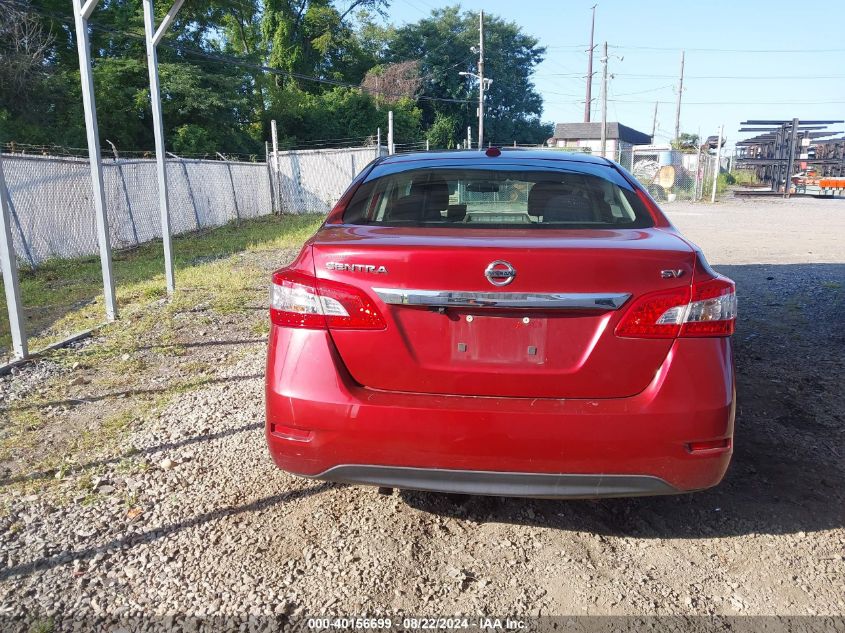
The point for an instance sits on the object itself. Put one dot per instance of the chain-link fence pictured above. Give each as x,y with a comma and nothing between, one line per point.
51,201
670,175
312,181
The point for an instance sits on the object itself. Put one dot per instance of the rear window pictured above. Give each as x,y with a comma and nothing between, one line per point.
504,198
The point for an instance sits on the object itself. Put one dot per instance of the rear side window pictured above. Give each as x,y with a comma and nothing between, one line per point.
503,198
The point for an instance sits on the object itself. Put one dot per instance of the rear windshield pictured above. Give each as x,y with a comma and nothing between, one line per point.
484,198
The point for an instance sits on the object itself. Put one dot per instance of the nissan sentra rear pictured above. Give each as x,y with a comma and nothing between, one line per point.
504,323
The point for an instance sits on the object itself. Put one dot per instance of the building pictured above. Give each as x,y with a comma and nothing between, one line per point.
587,137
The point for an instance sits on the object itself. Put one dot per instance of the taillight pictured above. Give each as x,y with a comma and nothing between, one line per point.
300,300
706,309
712,311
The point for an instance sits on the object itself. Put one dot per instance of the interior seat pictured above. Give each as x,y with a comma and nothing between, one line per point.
556,202
568,207
425,202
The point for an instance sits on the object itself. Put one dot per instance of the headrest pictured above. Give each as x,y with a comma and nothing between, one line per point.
568,208
541,192
424,202
435,193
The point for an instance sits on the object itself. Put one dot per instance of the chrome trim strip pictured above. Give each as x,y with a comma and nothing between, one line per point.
467,299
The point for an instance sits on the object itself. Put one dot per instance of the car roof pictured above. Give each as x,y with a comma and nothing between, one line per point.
522,155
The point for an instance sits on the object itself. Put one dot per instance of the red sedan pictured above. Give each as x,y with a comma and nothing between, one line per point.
502,323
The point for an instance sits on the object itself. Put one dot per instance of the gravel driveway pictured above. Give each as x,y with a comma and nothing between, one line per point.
196,521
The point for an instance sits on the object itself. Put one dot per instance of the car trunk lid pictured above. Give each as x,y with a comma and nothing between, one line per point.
546,330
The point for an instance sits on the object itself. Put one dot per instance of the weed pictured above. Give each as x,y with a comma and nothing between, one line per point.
42,626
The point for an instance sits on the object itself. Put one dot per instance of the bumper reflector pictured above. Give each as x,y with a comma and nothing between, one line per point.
290,433
710,446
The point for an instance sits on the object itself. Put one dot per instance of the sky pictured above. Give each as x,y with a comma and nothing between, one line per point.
736,82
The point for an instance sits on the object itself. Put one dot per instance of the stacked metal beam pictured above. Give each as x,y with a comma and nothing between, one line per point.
775,150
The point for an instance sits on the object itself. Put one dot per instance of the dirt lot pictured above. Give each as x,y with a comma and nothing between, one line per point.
182,514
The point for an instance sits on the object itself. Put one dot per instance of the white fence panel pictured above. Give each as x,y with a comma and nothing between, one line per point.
312,181
53,215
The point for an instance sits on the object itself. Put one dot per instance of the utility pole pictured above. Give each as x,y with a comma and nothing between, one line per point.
718,161
654,122
469,137
604,61
480,79
589,99
678,106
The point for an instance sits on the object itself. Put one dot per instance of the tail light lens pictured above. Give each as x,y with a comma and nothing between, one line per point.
300,300
708,308
712,311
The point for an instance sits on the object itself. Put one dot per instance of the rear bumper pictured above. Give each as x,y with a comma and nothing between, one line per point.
505,484
320,423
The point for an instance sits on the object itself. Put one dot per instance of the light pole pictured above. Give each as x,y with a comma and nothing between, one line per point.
483,83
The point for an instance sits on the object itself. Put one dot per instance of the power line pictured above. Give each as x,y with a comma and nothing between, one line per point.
743,77
642,92
573,47
733,50
702,103
720,77
735,102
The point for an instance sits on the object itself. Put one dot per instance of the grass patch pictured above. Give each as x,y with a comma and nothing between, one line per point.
62,297
745,177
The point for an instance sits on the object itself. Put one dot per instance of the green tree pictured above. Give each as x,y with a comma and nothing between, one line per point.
340,113
314,49
686,142
442,44
313,38
444,133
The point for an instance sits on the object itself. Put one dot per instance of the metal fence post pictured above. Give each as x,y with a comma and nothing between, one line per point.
81,14
699,171
391,147
17,221
276,166
9,264
273,208
153,36
716,166
234,194
189,187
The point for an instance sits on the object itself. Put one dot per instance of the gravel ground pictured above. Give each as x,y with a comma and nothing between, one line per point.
198,522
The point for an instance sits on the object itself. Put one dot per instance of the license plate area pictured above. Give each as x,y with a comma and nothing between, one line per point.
498,338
